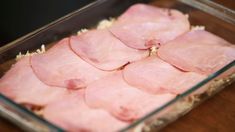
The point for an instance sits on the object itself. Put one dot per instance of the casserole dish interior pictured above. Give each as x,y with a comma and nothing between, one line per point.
216,19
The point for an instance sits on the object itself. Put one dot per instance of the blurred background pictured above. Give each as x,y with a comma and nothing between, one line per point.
19,17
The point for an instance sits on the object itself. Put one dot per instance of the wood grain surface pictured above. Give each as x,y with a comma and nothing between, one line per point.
216,114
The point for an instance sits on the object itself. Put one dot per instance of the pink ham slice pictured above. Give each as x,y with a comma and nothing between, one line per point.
101,49
73,114
122,100
143,26
156,76
198,51
21,85
60,66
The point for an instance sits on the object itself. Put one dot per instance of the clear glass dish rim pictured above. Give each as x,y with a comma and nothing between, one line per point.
207,6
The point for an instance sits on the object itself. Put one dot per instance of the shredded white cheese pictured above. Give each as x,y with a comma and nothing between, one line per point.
139,128
38,51
153,50
105,23
82,31
197,27
101,25
186,15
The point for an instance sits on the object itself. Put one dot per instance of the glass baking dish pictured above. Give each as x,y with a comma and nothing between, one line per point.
216,18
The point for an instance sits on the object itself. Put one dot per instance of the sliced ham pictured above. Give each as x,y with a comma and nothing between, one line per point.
122,100
60,66
73,114
101,49
155,76
21,85
143,26
198,51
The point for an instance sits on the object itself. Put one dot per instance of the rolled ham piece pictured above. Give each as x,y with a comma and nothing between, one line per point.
21,85
155,76
102,50
125,102
72,114
143,26
61,67
198,51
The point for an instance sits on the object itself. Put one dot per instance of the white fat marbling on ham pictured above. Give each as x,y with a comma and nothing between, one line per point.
73,114
143,26
101,49
198,51
122,100
21,85
155,76
60,66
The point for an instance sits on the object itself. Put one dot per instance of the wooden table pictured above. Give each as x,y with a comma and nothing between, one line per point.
214,115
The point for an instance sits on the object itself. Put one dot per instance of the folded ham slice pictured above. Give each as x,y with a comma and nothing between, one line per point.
156,76
60,66
143,26
21,85
122,100
198,51
72,114
101,49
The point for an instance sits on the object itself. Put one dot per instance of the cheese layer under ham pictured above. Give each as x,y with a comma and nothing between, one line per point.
122,100
73,114
143,26
21,85
60,66
198,51
101,49
155,76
